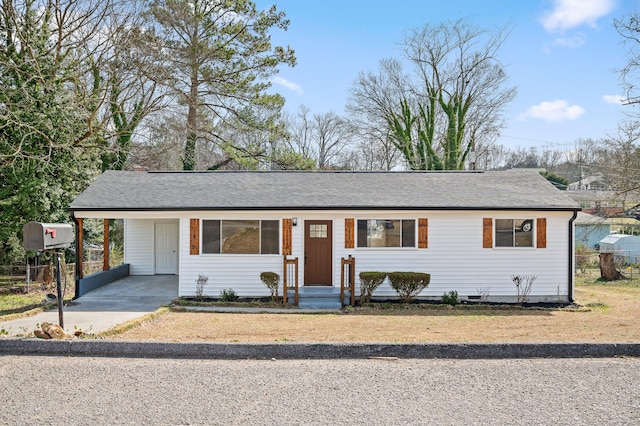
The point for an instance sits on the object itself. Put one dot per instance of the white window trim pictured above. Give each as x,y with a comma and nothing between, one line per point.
514,247
415,235
261,255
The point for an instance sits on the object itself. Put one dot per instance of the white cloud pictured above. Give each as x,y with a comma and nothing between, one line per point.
571,42
294,87
567,14
555,111
613,99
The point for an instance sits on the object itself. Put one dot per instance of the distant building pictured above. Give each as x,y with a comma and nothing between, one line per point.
590,230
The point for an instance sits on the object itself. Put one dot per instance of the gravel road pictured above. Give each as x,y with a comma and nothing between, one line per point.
73,391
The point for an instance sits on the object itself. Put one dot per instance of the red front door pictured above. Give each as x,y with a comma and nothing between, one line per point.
318,250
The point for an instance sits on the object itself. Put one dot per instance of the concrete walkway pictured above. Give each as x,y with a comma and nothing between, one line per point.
105,307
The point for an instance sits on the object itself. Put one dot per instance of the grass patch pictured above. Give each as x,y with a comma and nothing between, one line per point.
597,305
138,322
592,278
18,303
605,313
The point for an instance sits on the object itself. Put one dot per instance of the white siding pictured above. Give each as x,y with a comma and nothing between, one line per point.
457,261
225,271
139,246
455,257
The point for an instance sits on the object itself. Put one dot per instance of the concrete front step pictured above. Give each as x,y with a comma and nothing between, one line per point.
317,297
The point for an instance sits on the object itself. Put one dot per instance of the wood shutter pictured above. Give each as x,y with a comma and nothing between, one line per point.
487,232
423,232
194,236
287,230
541,232
349,240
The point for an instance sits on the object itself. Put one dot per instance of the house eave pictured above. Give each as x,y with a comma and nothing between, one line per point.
320,208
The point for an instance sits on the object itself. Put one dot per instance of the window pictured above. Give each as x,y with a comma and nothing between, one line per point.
514,233
317,230
386,233
240,236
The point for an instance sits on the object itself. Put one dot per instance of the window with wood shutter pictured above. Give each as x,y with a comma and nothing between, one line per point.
386,233
194,236
349,240
287,230
487,232
541,232
423,232
238,236
515,233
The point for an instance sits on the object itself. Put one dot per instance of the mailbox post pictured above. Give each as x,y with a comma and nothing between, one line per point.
49,237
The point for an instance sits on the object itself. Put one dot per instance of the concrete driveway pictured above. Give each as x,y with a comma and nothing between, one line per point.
104,308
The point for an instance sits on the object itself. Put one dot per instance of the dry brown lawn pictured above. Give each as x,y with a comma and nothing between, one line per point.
609,313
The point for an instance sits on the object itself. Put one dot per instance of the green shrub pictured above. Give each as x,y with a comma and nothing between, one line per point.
272,281
450,298
408,284
369,282
228,295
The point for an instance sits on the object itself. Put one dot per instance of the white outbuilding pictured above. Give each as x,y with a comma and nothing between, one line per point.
627,246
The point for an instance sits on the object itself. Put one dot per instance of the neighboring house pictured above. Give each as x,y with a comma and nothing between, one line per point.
596,182
591,229
601,200
600,203
472,231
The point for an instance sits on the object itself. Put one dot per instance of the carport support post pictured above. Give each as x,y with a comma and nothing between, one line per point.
105,248
79,245
59,289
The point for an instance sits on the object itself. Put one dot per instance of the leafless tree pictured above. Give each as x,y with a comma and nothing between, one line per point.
300,130
490,156
533,157
332,137
629,28
375,154
322,137
624,157
585,158
451,103
371,106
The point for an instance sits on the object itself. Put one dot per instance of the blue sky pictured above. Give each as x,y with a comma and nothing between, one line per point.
560,54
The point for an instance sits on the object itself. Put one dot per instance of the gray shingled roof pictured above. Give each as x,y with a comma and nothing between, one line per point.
287,190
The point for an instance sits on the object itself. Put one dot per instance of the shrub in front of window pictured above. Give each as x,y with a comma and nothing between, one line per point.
272,281
450,298
369,282
228,295
408,284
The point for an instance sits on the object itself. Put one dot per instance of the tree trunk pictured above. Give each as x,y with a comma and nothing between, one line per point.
608,271
189,159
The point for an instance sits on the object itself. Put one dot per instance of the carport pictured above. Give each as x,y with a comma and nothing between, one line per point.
112,304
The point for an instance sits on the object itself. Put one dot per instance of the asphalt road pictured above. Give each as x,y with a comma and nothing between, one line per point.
70,391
